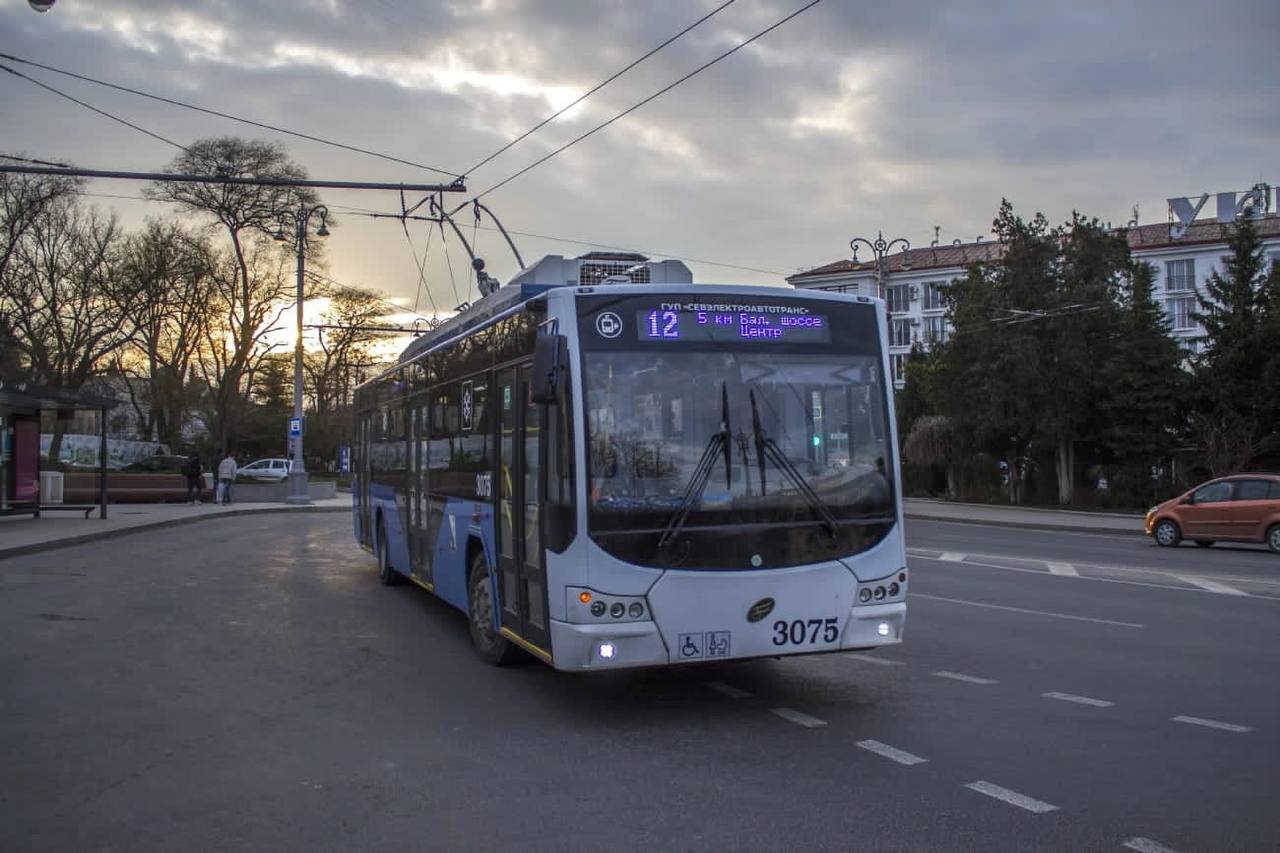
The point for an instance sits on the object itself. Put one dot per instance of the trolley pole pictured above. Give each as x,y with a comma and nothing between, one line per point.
298,479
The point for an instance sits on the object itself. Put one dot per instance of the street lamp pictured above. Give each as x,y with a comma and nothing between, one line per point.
298,470
880,248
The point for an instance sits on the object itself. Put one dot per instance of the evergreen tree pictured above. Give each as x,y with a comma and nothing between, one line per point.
1144,384
1078,336
1232,402
991,378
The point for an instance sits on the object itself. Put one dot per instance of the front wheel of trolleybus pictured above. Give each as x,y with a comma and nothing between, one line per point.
489,644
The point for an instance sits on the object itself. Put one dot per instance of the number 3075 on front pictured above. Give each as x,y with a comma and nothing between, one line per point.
805,632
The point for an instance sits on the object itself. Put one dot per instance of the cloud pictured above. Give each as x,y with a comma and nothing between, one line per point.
848,120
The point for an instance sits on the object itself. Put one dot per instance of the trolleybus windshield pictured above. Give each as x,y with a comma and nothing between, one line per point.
736,437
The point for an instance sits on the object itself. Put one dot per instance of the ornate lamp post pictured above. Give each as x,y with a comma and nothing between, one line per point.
880,248
298,470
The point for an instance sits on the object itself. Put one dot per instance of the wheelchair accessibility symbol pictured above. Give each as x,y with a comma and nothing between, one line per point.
608,324
690,646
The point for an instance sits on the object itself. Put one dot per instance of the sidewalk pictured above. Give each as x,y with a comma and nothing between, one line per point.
1027,518
24,534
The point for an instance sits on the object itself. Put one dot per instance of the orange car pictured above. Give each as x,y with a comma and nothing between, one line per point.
1239,508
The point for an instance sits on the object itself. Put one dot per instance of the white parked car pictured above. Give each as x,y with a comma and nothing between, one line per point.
266,469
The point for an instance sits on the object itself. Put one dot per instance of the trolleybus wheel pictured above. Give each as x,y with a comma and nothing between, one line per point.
386,574
1167,533
490,645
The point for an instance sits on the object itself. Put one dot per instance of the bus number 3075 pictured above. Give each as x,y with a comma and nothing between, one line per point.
801,632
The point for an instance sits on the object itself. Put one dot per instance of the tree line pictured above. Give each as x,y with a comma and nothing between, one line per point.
185,307
1060,382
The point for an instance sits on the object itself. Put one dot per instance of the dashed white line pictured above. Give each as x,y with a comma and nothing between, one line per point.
891,753
1213,724
727,690
1013,798
1211,586
1146,845
1079,700
870,659
1065,570
960,676
951,557
1024,610
798,718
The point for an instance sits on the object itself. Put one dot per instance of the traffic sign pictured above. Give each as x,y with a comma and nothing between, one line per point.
295,427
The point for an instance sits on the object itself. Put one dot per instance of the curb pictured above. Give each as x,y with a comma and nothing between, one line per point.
1030,524
80,539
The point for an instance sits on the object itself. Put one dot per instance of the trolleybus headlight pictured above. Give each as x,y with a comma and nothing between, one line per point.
883,629
584,597
636,610
879,593
864,595
606,651
617,610
902,576
597,608
894,589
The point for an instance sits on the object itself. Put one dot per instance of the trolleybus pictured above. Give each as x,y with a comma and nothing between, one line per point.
605,465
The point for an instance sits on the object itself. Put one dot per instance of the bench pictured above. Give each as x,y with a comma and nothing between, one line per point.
88,508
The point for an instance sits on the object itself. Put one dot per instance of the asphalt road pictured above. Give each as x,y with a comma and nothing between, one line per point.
246,684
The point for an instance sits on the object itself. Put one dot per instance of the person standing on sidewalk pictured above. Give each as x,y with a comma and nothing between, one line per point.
192,471
226,473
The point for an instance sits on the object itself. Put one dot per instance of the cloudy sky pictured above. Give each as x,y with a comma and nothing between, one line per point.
850,119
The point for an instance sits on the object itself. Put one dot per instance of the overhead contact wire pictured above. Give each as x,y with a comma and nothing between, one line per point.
228,116
597,88
647,100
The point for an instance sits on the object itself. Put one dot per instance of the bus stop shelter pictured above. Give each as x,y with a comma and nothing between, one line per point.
21,406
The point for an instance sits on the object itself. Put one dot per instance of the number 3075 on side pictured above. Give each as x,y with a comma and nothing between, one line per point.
805,632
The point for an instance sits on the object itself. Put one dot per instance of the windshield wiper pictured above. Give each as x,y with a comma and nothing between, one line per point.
719,443
767,447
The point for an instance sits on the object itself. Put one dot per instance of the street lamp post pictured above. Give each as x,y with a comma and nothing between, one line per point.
880,248
298,470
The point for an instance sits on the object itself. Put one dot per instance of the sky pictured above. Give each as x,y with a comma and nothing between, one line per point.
849,120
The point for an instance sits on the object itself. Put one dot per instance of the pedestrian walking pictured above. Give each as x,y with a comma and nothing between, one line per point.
226,473
192,471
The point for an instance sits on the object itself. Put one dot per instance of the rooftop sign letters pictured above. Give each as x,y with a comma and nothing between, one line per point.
1252,204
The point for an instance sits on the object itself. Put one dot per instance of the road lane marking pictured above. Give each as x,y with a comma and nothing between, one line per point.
798,718
727,690
1065,570
870,659
1146,845
951,557
960,676
891,753
1025,610
1079,700
1213,724
1212,586
1179,588
1013,798
973,560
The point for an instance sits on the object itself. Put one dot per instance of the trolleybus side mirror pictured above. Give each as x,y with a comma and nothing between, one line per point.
548,355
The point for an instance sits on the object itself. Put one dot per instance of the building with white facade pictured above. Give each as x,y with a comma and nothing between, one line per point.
910,282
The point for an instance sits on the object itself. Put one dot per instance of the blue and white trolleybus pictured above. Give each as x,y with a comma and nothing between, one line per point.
605,465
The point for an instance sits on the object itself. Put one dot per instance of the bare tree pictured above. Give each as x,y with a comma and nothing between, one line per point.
69,308
172,270
344,349
252,288
23,198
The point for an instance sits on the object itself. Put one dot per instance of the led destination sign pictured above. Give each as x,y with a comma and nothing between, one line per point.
763,323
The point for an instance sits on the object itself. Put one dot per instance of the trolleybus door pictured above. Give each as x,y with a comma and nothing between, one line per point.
519,529
361,473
